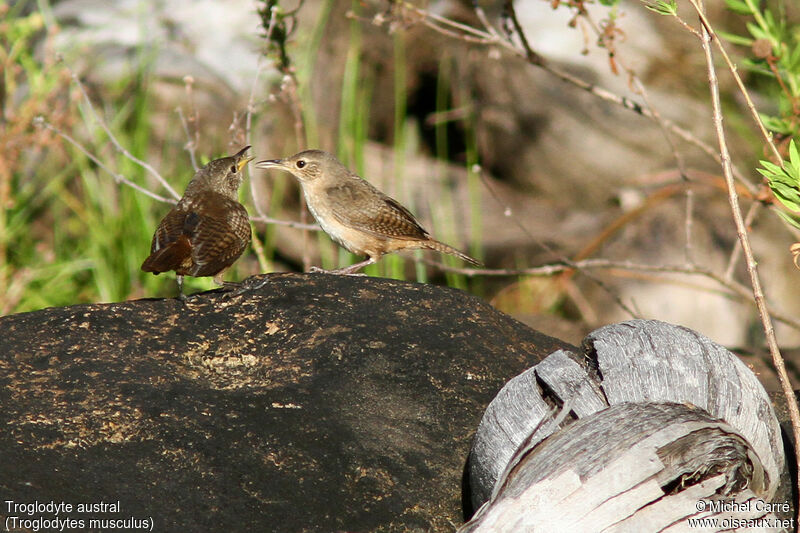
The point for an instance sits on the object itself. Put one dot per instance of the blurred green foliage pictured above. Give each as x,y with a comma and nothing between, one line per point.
775,54
69,231
785,184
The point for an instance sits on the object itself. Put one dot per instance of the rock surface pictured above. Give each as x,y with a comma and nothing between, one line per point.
314,403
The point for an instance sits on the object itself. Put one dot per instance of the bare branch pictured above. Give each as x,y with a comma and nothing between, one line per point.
736,253
741,229
40,121
743,293
742,89
194,119
191,144
524,50
124,151
289,223
567,261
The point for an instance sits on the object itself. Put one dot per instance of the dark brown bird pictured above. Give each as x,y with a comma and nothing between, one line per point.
208,229
354,213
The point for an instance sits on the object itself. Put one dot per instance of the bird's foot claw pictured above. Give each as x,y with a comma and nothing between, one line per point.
338,271
187,301
245,286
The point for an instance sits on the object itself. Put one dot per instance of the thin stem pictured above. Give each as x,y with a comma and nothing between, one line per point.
524,50
741,229
742,89
736,253
40,121
456,35
248,132
289,223
464,28
194,118
190,145
744,293
277,34
124,151
257,245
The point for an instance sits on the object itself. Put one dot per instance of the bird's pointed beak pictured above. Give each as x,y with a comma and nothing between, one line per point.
241,164
270,163
241,152
241,159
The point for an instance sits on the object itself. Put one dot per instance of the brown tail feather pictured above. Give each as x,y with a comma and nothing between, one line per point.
446,249
170,257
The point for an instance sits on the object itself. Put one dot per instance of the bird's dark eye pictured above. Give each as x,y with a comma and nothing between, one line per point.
301,164
233,169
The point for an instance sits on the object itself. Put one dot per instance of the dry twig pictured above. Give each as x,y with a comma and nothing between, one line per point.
491,37
193,136
124,151
742,292
41,122
741,229
277,33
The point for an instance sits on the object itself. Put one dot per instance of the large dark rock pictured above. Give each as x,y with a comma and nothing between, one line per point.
315,403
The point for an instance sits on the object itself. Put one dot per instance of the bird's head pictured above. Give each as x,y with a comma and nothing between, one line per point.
223,175
307,166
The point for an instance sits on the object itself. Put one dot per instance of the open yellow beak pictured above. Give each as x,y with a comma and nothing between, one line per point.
244,162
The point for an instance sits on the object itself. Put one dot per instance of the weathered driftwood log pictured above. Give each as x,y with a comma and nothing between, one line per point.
688,422
315,403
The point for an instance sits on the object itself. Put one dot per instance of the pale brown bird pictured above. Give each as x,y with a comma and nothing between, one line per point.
208,229
354,213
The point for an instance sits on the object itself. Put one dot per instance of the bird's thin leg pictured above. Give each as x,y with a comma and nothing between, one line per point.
181,296
352,270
